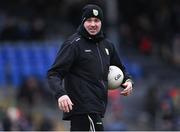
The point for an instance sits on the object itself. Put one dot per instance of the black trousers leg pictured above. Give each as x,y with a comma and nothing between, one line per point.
86,122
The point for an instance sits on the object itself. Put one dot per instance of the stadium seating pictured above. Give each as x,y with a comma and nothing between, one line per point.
21,59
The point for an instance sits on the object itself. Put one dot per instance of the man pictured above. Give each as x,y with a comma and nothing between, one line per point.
83,62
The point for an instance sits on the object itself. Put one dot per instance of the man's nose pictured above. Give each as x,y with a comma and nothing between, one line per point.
93,23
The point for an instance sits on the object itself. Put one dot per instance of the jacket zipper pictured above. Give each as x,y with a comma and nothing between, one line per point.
100,57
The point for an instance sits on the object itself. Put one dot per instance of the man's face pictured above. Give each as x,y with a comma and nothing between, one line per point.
92,25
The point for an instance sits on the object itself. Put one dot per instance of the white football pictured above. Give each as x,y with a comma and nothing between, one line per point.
115,77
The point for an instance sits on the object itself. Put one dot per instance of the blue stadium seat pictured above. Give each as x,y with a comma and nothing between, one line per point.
2,71
136,71
15,75
25,59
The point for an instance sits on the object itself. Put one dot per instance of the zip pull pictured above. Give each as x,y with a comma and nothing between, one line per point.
102,82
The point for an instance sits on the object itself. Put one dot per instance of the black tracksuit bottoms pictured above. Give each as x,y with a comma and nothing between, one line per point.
86,122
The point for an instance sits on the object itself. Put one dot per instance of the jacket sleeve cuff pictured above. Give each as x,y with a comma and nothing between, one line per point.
129,80
59,94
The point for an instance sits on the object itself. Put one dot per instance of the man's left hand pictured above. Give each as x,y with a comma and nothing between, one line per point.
127,88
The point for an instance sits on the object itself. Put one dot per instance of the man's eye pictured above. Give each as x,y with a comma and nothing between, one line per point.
96,20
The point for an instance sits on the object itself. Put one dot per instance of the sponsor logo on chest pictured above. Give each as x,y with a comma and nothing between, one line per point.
87,50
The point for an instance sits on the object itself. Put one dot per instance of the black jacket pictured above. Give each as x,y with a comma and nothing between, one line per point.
83,63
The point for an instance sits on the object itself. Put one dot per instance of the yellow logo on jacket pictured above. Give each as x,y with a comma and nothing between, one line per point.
107,51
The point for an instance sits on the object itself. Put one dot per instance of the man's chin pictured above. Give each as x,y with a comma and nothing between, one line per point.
92,33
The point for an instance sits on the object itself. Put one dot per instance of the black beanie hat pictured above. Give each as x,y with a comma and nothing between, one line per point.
91,10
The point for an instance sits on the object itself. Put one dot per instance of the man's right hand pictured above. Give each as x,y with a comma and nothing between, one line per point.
65,103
